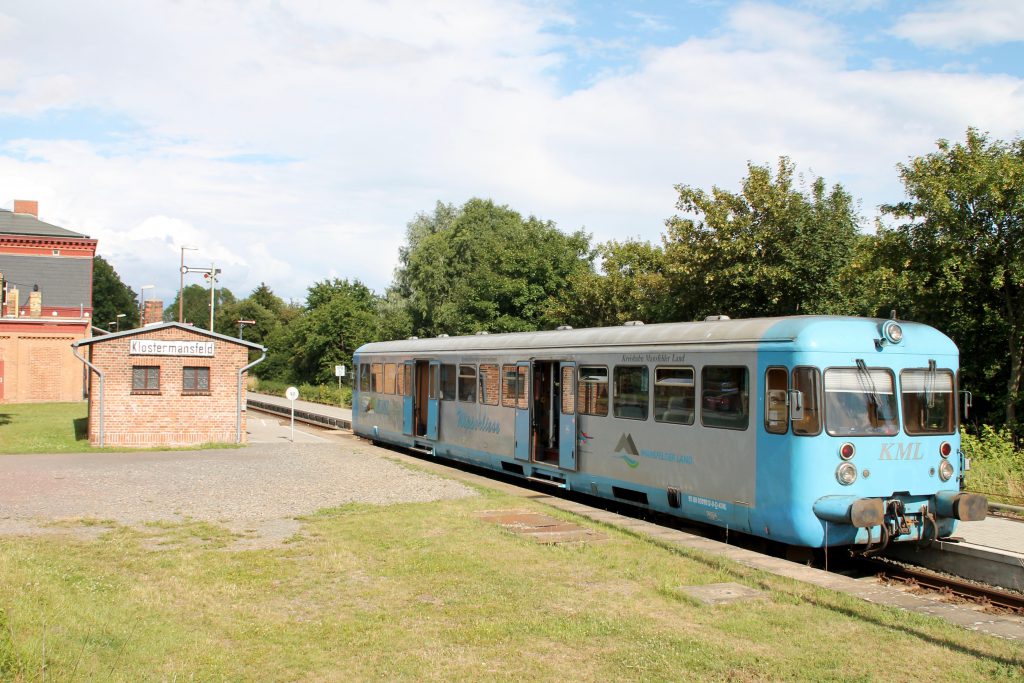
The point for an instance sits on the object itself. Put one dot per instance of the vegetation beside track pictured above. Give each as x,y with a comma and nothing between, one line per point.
997,466
328,394
431,592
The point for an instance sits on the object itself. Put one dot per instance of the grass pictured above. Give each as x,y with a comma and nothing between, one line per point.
430,592
55,428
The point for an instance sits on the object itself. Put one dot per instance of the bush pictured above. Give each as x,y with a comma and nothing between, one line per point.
997,467
327,394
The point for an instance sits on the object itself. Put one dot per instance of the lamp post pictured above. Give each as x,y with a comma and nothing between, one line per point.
181,284
117,321
242,324
142,303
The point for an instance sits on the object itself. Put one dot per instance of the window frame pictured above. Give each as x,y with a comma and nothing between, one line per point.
482,385
449,372
615,391
196,391
744,394
580,384
767,401
818,397
693,388
518,398
953,398
146,389
467,380
825,409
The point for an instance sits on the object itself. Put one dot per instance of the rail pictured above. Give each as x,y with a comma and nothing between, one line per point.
301,415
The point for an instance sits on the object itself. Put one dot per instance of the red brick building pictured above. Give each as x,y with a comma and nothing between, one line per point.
46,290
166,384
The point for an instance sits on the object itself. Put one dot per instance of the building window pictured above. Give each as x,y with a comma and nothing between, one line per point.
145,379
490,380
195,380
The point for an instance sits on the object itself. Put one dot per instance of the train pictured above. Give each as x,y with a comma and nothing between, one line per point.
811,431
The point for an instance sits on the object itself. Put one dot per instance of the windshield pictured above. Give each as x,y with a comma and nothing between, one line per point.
860,401
928,406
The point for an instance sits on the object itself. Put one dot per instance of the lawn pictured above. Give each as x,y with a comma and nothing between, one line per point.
432,592
43,427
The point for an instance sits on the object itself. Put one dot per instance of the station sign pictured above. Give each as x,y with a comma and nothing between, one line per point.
162,347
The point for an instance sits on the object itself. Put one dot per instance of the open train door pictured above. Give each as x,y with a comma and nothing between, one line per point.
567,438
524,440
433,399
409,399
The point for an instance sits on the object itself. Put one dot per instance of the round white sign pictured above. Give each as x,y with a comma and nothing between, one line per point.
291,394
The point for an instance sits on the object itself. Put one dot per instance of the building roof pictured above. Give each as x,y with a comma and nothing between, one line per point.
65,282
164,326
26,224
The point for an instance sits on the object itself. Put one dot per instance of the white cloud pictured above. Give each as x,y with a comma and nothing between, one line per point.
293,141
963,24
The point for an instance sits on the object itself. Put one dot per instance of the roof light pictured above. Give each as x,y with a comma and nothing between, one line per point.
892,332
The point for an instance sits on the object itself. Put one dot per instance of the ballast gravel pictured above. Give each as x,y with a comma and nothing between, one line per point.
256,491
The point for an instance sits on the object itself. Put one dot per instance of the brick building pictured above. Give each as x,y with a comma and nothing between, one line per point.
46,286
166,384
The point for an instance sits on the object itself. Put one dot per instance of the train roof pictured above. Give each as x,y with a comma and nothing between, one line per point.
810,331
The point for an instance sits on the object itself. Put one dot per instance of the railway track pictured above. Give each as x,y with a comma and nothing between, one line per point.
917,577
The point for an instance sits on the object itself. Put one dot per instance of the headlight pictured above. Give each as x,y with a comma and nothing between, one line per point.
945,470
892,332
846,474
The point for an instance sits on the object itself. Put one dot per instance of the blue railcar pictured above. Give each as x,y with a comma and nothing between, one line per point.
811,430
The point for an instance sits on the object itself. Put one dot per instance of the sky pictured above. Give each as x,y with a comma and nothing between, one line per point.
291,141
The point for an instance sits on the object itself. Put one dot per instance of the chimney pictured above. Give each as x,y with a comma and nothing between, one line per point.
153,312
35,304
29,206
12,302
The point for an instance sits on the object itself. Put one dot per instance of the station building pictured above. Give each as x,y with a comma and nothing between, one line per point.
45,305
166,384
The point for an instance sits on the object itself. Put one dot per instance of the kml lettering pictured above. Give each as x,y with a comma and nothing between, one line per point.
901,451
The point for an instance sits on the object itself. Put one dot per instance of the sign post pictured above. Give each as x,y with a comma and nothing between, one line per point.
291,394
339,371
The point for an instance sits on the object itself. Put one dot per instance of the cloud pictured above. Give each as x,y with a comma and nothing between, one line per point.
963,24
292,141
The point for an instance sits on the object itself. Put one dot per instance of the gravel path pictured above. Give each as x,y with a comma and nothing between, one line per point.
256,491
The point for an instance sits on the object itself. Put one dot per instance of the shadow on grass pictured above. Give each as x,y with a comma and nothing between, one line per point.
81,428
5,419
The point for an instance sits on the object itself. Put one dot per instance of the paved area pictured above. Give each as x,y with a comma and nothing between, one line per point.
318,408
994,532
256,492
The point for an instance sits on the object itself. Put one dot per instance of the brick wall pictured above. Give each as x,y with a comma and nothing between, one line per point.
169,418
39,366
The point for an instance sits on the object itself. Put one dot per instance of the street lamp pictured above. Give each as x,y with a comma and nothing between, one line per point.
181,284
243,323
142,303
117,322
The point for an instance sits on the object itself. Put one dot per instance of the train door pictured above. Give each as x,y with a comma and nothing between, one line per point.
409,403
546,413
567,437
521,383
433,385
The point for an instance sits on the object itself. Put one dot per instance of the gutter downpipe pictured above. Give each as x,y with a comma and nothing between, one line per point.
74,350
238,407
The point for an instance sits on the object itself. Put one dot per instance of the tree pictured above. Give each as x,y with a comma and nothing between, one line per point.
110,296
631,286
771,249
961,244
485,267
197,305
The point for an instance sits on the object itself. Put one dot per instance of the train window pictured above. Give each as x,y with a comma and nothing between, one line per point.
377,372
776,400
808,382
467,383
435,371
674,395
860,401
592,391
490,379
389,378
404,382
631,392
568,395
928,401
513,387
448,382
364,377
724,397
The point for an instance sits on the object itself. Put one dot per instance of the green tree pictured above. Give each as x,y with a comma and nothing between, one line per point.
771,249
631,286
111,296
197,306
960,246
485,268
